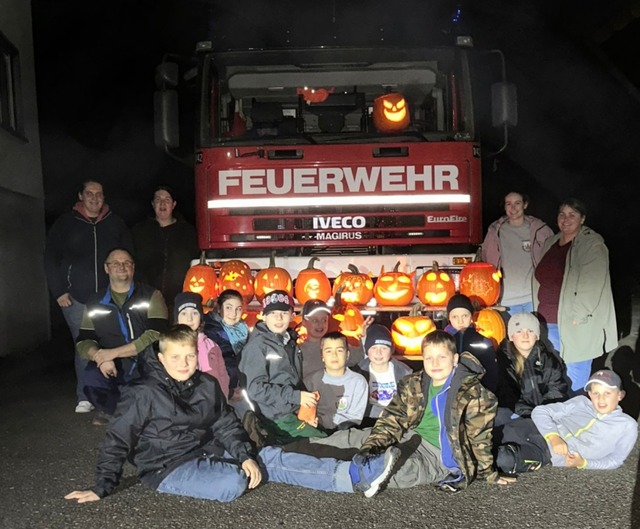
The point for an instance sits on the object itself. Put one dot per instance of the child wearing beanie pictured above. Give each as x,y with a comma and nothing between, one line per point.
382,372
460,314
187,310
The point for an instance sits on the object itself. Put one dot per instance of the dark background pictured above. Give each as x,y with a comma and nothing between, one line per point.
574,64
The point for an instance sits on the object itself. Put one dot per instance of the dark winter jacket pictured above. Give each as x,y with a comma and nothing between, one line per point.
469,414
543,380
160,424
164,254
481,347
77,248
273,371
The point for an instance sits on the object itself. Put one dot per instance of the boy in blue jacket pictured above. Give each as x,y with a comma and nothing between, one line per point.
583,433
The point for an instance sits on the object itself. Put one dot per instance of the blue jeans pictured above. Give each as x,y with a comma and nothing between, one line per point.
206,478
522,307
73,317
222,480
578,372
324,474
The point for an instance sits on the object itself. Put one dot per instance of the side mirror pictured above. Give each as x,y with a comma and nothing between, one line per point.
166,130
504,104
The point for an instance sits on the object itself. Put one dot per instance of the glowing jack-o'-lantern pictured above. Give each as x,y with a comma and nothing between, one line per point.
490,324
312,283
407,332
390,112
236,275
435,287
394,288
480,282
201,279
272,278
351,321
356,287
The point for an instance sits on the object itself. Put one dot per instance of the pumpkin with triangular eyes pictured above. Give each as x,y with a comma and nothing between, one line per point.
390,112
435,287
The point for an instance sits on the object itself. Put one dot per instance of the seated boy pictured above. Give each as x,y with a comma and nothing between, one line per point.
185,440
343,393
443,414
271,363
460,313
315,318
381,372
584,433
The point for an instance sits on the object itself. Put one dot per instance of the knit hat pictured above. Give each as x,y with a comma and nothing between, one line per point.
523,320
185,300
377,335
314,306
460,301
277,300
606,377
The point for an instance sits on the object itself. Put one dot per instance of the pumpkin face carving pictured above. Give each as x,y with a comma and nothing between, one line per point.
236,275
407,332
355,287
480,282
490,324
312,284
390,112
435,287
394,288
201,279
272,278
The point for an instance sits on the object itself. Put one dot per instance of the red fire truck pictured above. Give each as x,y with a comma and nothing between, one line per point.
299,150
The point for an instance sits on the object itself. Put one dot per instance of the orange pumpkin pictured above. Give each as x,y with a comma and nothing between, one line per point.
355,287
236,275
390,112
394,288
251,317
490,324
351,321
435,287
480,282
312,283
407,332
201,279
272,278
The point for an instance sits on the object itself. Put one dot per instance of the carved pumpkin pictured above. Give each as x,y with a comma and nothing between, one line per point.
351,321
435,287
480,282
490,324
251,317
390,112
272,278
201,279
394,288
407,332
312,283
355,287
236,275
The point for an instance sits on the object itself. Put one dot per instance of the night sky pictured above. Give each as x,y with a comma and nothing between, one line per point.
573,64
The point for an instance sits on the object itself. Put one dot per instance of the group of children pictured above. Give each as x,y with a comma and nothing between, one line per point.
471,412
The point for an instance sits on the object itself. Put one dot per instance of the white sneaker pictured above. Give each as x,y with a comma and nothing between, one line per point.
84,406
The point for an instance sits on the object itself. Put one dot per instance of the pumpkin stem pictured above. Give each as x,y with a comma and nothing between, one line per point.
478,256
203,257
436,266
272,259
311,261
395,268
416,310
353,269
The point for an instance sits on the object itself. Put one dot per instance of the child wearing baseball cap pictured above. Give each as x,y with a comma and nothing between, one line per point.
271,363
583,432
529,374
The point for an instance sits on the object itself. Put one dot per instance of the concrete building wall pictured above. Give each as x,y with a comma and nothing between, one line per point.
24,299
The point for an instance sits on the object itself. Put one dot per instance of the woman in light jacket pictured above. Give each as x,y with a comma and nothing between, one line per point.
572,293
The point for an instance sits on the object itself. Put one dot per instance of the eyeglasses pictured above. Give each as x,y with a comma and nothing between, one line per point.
120,264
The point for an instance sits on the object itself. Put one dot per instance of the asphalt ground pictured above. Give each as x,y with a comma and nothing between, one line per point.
47,450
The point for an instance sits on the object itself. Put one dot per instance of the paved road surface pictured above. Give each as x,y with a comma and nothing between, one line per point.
47,450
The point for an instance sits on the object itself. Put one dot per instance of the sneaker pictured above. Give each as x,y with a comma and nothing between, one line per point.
84,406
369,474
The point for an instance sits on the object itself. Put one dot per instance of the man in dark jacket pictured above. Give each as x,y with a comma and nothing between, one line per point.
77,246
119,327
164,246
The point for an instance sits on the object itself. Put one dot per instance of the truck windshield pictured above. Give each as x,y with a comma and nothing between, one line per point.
336,99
